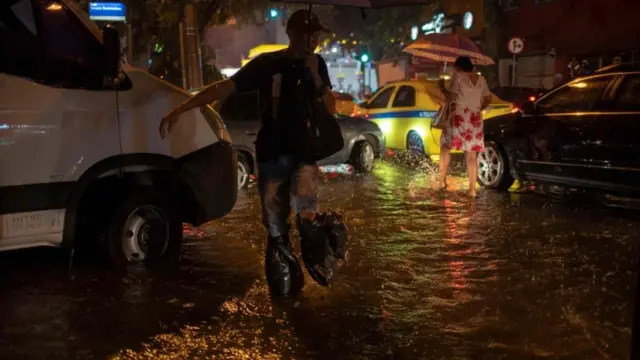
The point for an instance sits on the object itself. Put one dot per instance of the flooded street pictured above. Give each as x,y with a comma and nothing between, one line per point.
430,276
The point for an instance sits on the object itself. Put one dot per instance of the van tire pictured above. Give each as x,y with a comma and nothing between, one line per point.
144,213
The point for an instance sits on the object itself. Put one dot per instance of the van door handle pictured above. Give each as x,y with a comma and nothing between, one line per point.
251,133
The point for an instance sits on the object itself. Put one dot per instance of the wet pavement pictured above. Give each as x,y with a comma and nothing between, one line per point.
507,276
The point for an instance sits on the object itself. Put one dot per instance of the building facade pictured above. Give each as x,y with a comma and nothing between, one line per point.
464,17
587,34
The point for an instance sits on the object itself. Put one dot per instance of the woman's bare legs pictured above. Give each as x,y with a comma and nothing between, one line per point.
472,170
445,159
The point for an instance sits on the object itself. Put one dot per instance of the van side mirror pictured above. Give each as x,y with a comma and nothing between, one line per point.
112,52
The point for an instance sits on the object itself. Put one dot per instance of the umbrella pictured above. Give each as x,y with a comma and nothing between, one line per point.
446,48
367,4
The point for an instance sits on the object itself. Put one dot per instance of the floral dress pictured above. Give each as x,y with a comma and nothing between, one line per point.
466,131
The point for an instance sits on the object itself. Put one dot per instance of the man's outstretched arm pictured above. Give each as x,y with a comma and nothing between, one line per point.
249,78
218,91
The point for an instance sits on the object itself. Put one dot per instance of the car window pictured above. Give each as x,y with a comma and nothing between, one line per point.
576,96
73,54
19,40
405,97
381,100
44,42
629,94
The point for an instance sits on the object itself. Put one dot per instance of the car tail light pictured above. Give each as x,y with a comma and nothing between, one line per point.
515,109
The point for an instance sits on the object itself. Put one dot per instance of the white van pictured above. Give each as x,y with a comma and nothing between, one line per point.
81,159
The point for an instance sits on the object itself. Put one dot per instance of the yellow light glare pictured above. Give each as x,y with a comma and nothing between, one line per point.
54,7
386,127
420,130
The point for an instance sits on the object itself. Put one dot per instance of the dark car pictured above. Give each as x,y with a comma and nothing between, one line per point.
583,134
518,95
364,141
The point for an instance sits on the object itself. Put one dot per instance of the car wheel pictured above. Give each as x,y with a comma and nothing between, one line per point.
415,144
244,171
363,157
145,228
493,168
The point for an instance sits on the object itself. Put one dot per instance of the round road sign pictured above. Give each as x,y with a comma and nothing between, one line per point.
516,45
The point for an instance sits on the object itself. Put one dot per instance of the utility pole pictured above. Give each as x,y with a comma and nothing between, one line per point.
192,48
183,57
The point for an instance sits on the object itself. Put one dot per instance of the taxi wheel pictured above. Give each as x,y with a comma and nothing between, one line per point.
415,144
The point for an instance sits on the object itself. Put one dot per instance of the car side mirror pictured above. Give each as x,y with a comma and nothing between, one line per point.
364,105
112,56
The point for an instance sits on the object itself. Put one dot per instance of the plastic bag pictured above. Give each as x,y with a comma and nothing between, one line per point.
324,245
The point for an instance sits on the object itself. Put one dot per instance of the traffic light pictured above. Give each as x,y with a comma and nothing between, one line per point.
158,48
364,57
273,13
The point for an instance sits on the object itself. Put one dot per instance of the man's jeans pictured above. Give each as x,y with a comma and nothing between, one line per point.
283,182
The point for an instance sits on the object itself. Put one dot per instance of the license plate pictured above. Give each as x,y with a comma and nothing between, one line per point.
32,223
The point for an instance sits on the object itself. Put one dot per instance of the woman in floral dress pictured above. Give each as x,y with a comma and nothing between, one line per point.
468,96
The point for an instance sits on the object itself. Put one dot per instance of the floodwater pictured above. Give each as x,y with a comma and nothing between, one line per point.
429,276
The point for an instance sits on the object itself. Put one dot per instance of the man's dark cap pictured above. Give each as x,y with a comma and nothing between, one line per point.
305,21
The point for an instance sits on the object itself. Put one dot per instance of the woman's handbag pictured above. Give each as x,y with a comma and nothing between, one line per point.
442,118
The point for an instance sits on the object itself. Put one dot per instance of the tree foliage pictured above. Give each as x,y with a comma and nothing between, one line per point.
380,31
158,19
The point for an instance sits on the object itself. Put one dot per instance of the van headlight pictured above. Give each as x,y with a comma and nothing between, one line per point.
215,122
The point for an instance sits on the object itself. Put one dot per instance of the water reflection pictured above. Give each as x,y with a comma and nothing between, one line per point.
430,276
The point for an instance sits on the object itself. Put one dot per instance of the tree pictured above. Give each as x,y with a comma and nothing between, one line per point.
380,32
493,37
157,20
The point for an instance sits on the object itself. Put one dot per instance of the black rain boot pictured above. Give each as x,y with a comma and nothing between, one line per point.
323,243
282,269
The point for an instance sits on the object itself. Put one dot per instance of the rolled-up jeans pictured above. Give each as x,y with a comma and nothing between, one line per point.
284,182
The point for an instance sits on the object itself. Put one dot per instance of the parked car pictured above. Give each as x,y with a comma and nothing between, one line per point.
583,134
518,95
404,111
363,139
81,160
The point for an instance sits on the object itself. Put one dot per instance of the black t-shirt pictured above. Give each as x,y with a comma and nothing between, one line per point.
282,115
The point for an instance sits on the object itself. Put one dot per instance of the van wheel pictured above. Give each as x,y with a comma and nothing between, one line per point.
244,171
144,228
493,168
362,157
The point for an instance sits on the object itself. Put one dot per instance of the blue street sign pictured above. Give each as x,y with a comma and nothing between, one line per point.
107,11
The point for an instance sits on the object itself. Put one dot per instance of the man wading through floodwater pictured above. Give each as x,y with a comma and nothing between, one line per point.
287,82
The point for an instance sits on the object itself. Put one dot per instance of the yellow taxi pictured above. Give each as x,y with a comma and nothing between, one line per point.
403,110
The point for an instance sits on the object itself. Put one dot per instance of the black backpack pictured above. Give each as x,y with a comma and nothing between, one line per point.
320,136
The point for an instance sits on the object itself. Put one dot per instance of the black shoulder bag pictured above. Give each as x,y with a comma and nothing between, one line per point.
324,135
